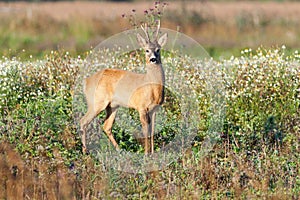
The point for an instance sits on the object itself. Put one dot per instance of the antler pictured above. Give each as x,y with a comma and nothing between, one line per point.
145,29
157,30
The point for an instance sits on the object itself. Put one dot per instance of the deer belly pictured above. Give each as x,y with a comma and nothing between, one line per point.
146,96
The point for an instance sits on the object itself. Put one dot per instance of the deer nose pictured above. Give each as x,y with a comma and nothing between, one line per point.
153,60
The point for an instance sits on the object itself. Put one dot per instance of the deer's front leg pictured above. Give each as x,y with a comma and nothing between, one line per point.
145,121
110,117
152,127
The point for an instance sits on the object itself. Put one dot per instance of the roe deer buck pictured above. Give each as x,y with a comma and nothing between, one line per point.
111,88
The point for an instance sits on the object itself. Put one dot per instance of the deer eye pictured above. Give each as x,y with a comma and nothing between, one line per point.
157,50
147,51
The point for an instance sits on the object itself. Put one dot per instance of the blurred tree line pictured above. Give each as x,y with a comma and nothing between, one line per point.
60,0
136,0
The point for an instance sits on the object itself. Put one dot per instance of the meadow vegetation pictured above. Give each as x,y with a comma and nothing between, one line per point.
255,153
255,156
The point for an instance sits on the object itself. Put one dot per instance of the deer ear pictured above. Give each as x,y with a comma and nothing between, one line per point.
141,40
163,39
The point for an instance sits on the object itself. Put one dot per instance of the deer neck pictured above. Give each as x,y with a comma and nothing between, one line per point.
155,73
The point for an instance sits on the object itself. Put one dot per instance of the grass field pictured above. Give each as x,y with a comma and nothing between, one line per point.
256,150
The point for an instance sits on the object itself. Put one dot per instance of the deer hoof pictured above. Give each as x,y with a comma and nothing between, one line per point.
84,150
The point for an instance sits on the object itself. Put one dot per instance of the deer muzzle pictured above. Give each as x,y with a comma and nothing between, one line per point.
153,60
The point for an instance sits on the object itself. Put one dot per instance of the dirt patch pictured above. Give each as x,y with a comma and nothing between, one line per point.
38,179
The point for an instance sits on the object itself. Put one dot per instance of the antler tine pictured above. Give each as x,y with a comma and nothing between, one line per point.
145,29
157,30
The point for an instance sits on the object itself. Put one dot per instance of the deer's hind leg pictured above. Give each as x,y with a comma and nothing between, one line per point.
93,111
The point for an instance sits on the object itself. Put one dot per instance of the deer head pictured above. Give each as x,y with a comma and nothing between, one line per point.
152,48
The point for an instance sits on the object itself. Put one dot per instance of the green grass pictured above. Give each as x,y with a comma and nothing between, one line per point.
255,155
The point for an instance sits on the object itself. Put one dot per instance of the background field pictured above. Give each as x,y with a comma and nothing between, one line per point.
256,153
221,27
